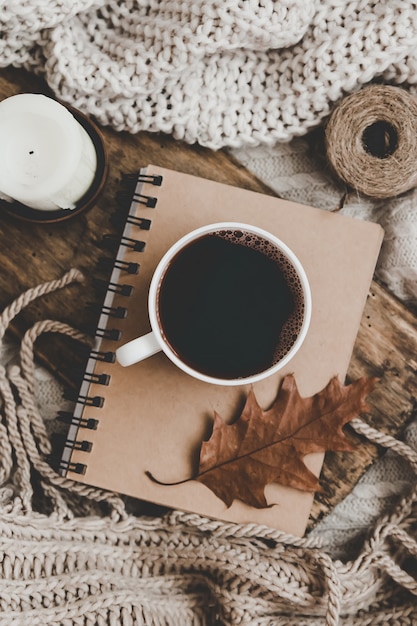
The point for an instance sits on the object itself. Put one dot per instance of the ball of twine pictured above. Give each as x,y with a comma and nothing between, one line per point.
371,141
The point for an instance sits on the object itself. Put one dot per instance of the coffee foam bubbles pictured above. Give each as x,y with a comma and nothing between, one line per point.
292,327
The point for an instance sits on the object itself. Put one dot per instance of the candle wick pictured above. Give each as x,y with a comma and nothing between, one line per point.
31,152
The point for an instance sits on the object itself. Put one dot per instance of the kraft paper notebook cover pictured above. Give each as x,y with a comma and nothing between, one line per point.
153,417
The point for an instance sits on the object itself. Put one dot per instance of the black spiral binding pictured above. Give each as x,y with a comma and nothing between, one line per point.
111,243
119,288
141,222
96,401
148,201
127,266
115,286
107,357
76,468
68,418
118,312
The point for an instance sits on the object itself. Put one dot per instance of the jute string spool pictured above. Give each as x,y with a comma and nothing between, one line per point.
371,141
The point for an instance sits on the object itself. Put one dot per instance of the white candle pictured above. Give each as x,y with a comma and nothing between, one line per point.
47,159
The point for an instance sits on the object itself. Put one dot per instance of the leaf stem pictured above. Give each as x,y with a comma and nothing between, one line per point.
179,482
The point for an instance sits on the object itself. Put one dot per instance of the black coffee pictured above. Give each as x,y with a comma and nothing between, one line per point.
230,304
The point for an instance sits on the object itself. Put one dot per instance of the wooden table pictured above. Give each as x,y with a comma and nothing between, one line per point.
33,253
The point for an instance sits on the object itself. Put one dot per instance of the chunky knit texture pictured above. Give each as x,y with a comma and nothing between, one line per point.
65,561
217,72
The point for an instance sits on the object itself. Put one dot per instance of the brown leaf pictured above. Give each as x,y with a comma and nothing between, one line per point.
264,447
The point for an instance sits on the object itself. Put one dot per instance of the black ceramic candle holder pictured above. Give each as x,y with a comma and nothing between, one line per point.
29,214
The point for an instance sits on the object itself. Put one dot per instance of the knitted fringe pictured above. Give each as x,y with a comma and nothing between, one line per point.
64,568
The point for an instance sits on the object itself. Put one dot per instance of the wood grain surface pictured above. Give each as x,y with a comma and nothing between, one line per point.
33,253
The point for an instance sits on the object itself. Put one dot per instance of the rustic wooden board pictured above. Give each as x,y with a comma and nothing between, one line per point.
31,254
386,347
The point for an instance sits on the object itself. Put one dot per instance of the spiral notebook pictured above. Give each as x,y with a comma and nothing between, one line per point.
152,417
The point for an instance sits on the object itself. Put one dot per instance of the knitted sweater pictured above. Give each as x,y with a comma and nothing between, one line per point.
217,72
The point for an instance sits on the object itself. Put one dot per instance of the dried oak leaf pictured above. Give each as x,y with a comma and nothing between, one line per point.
264,447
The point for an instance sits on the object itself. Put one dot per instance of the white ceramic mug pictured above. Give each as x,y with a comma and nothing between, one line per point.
203,261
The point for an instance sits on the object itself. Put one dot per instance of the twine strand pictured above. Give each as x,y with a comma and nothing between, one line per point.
6,454
22,476
334,589
384,440
255,532
387,563
28,296
30,409
27,345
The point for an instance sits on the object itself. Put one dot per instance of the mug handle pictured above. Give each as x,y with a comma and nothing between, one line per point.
138,349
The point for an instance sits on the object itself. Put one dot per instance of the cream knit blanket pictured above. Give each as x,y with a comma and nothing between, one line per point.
217,72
